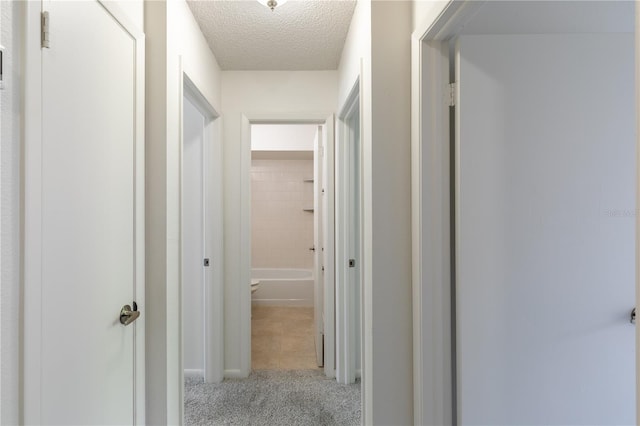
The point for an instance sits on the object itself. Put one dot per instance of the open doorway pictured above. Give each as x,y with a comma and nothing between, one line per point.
283,244
201,242
349,243
323,316
539,196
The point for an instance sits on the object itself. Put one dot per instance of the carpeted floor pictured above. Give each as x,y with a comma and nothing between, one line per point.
269,397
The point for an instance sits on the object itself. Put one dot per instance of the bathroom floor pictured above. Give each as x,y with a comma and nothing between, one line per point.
282,338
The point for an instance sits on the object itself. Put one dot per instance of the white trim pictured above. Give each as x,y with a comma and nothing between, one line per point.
193,373
345,297
329,247
196,97
245,222
180,316
234,374
416,228
318,242
431,249
140,231
637,86
213,228
245,248
430,212
442,24
286,118
32,260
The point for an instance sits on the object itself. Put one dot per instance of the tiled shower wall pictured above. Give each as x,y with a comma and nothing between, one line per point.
282,232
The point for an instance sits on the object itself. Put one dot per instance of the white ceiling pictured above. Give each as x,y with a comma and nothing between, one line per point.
298,35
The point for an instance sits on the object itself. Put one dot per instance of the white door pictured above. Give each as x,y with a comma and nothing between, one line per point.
545,244
318,245
193,240
82,365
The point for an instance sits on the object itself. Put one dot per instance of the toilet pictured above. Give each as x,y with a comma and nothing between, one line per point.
254,285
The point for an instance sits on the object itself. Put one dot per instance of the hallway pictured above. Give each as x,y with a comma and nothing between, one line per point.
304,397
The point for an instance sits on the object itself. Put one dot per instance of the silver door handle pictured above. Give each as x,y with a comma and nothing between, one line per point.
128,315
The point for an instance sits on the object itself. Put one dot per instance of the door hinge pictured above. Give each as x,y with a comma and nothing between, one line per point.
453,93
206,262
352,263
44,30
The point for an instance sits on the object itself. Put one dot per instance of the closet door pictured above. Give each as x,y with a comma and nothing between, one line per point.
84,336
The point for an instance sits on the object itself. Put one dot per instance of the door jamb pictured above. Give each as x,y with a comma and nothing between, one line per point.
345,297
434,402
212,217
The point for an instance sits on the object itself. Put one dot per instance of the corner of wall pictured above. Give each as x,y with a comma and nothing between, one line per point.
389,323
357,49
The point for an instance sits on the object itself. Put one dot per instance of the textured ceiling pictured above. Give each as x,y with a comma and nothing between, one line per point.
298,35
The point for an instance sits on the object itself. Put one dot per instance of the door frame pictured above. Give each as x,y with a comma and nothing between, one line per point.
30,398
327,121
435,387
212,227
431,220
346,297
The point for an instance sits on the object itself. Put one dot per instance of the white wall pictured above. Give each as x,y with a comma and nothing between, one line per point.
378,43
281,231
171,33
10,104
356,53
133,9
426,11
280,137
391,319
255,92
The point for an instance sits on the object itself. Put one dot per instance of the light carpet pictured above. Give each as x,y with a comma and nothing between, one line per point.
272,397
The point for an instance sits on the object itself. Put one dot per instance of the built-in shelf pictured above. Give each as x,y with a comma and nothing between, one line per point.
307,180
308,210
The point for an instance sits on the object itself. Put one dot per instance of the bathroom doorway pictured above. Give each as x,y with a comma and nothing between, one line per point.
286,288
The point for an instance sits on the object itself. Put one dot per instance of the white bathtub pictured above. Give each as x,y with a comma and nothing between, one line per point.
283,287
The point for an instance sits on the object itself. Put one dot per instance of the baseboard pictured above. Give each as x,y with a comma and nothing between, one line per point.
199,374
330,374
234,374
